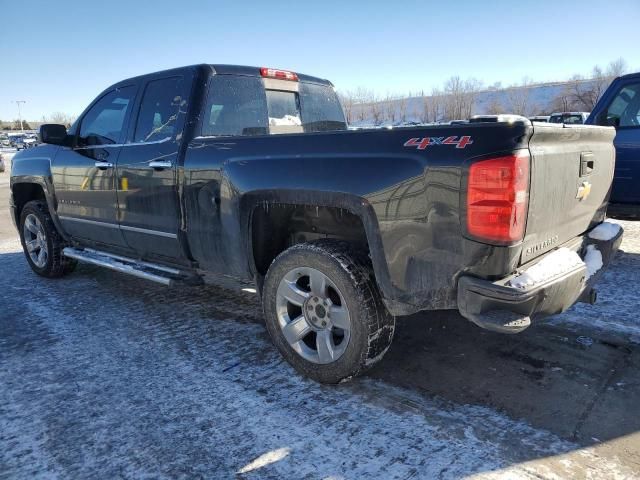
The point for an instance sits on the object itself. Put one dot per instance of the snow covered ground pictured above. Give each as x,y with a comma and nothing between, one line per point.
106,376
97,382
616,312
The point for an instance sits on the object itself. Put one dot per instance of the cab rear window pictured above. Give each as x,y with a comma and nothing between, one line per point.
240,106
284,111
321,110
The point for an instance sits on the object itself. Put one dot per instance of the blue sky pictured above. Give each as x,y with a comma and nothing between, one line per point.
60,55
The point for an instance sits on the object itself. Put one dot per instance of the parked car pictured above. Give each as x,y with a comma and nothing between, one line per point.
540,118
571,118
620,107
2,165
17,142
252,172
502,118
30,141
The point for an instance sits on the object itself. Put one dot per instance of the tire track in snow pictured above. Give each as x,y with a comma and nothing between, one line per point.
108,376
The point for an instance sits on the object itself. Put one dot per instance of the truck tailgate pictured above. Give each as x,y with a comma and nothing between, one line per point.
571,173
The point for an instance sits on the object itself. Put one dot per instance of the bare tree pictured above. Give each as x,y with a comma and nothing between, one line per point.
390,110
617,67
347,99
564,101
586,92
495,107
402,107
436,106
376,111
60,118
518,97
355,104
460,97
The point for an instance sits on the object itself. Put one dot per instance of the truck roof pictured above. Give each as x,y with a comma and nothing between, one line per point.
223,69
630,75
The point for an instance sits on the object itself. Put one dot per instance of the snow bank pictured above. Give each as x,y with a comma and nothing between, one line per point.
553,265
593,260
286,120
605,231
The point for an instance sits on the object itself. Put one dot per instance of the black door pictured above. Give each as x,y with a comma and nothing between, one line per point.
147,170
84,174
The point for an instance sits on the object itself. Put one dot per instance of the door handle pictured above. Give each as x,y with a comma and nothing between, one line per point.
587,163
160,164
103,165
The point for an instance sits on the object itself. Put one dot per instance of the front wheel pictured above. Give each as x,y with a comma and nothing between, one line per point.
41,242
324,312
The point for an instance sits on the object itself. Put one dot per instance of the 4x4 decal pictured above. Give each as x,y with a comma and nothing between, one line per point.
422,143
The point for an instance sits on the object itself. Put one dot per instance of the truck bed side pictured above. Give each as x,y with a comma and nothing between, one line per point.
408,200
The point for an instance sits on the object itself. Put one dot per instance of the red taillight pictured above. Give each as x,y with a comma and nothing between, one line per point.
498,198
280,74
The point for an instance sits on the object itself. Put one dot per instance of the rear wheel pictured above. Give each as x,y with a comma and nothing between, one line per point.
41,242
324,311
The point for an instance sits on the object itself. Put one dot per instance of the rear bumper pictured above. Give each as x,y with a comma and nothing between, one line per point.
623,210
500,307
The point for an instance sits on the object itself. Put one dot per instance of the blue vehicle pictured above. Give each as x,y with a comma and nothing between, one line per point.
619,107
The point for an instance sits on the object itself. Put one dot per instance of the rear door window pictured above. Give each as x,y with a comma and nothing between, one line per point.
162,102
235,106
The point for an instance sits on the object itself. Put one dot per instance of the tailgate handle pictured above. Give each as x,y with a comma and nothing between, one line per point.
587,163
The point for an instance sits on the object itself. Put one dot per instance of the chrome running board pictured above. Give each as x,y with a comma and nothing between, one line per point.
149,271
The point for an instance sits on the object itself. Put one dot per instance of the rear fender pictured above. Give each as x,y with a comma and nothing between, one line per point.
353,204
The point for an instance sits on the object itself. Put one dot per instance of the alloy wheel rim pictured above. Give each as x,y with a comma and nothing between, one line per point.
35,241
313,315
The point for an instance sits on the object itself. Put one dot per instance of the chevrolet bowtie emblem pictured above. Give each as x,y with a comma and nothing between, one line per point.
583,191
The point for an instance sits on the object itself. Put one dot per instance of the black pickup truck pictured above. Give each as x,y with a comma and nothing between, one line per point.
252,172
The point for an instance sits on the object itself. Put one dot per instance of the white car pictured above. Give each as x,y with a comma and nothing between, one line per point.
30,141
568,117
540,118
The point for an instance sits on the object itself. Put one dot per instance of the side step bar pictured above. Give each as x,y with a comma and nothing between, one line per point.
149,271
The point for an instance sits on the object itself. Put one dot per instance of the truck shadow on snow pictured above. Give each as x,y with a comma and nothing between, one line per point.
565,381
562,375
552,378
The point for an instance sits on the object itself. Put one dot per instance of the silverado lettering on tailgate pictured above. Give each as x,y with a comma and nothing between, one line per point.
537,247
422,143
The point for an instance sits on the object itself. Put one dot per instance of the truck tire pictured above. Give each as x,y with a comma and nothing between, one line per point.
41,242
324,312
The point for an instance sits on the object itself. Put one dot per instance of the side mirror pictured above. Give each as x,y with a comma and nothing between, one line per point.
605,120
52,133
613,122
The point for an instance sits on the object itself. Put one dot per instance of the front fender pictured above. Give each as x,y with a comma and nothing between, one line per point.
33,166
